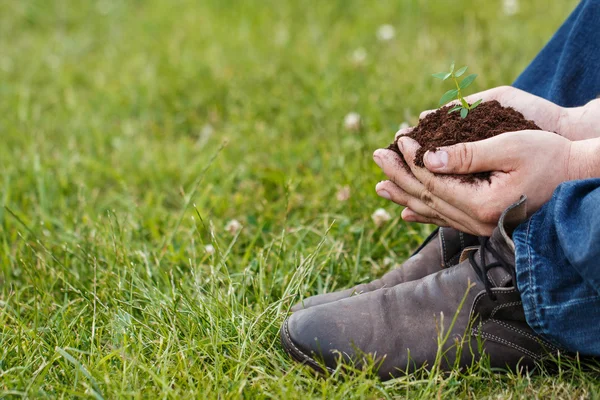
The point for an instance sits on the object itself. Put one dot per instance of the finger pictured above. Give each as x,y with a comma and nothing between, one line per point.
391,191
432,184
403,131
448,196
426,113
397,171
402,173
497,93
409,215
494,154
400,197
455,200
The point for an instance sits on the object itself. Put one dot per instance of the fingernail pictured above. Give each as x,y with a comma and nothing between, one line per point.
377,160
407,215
384,194
399,143
437,159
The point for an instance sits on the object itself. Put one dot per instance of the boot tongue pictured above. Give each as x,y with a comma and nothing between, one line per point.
452,242
503,245
500,276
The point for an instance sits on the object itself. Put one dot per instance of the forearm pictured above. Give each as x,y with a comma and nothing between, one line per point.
581,123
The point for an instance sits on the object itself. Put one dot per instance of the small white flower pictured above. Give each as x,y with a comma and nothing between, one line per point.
233,227
207,130
404,125
386,32
209,249
205,133
359,56
510,7
352,121
380,217
343,194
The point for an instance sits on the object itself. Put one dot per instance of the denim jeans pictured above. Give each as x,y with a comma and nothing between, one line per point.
567,70
558,267
558,248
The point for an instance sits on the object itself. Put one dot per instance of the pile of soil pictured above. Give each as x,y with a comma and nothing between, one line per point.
485,121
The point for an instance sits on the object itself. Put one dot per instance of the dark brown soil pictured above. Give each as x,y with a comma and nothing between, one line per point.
442,129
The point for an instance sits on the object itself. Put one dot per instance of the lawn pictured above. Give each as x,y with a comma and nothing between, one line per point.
135,132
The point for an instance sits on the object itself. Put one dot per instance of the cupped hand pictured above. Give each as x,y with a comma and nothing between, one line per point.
533,163
547,115
525,162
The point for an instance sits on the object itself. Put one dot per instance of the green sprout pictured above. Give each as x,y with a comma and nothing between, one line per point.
456,94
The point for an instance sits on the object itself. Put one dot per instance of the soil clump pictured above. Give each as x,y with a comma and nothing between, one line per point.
442,129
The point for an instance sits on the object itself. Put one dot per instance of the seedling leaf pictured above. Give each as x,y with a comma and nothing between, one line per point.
467,81
460,71
440,75
449,95
478,102
464,112
448,75
452,67
464,103
455,108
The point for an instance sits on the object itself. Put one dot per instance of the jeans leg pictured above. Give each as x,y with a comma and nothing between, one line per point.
558,267
566,71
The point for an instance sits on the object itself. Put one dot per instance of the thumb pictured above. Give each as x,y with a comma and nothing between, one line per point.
466,158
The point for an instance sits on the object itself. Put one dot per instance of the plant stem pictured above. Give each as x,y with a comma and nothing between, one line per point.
459,94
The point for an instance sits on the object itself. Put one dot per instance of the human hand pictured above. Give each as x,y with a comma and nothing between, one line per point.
472,212
533,163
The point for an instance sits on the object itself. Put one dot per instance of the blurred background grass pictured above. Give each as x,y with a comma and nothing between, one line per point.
134,131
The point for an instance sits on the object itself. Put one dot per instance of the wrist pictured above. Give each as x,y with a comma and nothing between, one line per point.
584,162
581,123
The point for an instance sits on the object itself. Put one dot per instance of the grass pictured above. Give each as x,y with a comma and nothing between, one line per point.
133,131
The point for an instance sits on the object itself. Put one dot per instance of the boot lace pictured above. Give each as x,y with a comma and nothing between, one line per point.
482,270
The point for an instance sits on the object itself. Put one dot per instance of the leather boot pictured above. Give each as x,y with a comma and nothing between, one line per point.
440,250
475,305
